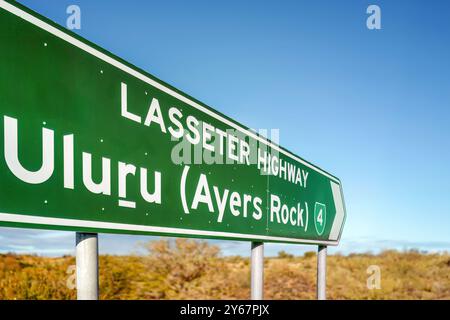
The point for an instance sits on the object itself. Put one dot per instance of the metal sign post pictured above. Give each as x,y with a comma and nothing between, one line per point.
321,272
257,271
87,266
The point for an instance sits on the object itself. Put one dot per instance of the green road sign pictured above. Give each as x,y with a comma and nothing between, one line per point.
91,143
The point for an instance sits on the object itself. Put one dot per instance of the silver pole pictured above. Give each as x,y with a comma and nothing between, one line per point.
87,266
322,273
257,271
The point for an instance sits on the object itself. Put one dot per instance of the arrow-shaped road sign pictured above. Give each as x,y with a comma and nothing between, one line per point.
91,143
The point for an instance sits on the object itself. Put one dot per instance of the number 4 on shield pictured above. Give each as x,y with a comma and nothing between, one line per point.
320,217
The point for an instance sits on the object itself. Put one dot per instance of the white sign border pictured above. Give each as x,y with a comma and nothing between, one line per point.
8,217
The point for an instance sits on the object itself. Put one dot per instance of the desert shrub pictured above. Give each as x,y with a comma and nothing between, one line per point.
187,269
309,254
176,268
284,255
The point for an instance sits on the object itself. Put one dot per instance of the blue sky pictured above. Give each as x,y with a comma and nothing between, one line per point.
370,106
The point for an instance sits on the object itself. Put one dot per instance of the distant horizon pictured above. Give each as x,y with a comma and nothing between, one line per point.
123,245
142,254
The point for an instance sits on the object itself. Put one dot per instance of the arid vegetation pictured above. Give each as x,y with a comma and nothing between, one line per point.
189,269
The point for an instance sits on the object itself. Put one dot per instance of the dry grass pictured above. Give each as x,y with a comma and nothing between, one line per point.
195,270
